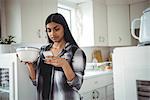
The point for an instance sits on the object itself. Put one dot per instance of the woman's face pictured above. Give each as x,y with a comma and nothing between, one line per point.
55,31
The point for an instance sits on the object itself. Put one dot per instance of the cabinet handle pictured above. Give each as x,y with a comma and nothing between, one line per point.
96,82
96,94
119,39
101,39
39,33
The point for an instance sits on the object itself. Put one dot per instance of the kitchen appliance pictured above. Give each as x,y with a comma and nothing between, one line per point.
15,83
144,35
131,73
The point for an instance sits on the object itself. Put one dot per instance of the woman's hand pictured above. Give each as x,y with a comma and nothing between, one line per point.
56,61
61,62
28,63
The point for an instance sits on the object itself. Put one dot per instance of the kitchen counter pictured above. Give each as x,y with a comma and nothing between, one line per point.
95,73
96,79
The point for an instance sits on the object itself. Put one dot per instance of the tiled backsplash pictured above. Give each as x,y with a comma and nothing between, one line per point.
105,51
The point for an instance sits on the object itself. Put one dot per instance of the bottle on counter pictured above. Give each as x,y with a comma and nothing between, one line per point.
97,56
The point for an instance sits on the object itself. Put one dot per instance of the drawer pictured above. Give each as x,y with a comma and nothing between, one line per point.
96,82
86,96
97,94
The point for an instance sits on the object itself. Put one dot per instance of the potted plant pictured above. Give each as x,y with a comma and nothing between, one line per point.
5,44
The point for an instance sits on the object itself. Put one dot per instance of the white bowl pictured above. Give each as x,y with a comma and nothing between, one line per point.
28,54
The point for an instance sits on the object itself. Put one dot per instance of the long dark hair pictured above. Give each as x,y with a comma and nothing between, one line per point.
58,18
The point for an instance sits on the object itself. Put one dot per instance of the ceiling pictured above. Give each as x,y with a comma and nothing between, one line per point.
107,1
75,1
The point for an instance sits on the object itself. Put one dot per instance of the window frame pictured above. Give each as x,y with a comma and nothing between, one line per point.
70,13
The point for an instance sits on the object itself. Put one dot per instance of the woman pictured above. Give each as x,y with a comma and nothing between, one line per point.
58,77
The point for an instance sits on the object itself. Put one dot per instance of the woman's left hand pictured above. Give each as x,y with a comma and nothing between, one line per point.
56,61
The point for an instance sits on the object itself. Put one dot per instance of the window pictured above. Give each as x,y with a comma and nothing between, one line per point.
66,13
69,11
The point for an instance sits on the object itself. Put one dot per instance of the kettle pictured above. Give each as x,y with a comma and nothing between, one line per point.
144,35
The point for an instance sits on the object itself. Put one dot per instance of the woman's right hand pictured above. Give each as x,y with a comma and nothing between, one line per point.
29,63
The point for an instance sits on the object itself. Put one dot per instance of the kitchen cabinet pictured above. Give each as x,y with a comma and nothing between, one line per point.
15,83
110,24
100,23
110,92
95,32
98,87
26,19
97,94
87,36
118,25
87,96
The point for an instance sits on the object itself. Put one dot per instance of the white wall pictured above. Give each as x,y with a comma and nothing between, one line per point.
136,10
13,19
3,18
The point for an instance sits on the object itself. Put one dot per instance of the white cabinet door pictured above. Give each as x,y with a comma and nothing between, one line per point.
100,23
87,36
86,96
33,16
118,25
101,93
31,20
94,88
109,24
94,20
95,82
110,97
25,19
110,92
96,94
15,83
6,78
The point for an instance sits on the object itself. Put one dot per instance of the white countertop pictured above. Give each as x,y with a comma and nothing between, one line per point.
95,73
